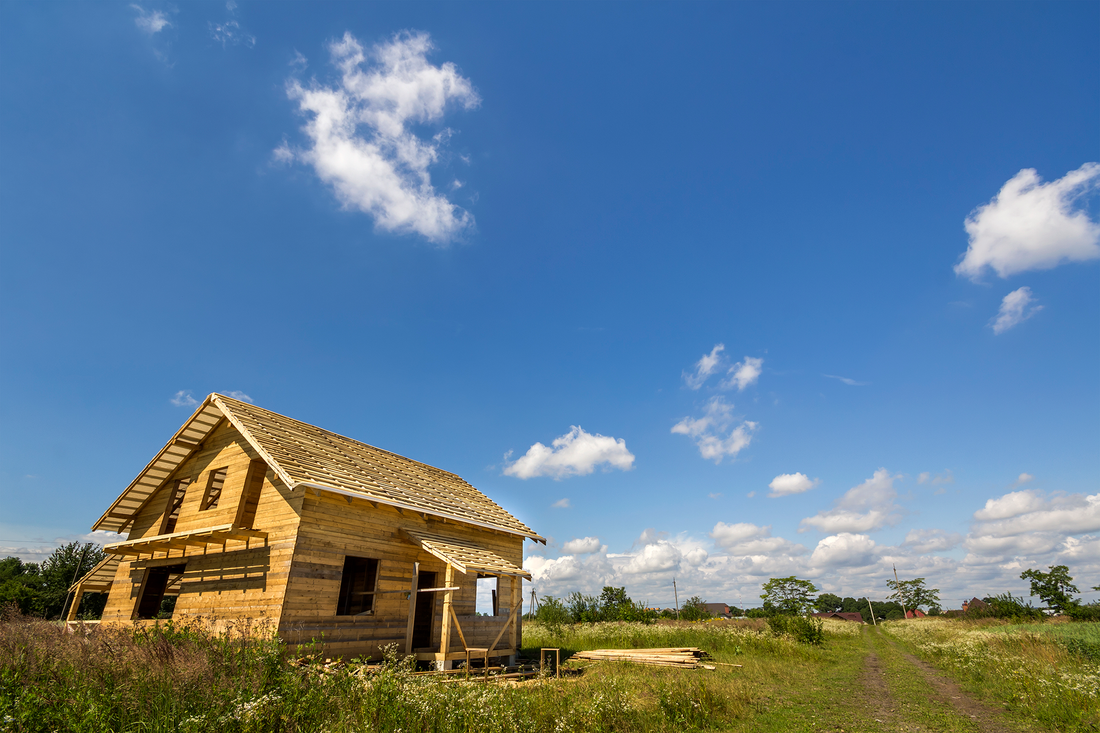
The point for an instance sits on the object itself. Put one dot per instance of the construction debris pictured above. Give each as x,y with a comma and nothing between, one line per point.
682,657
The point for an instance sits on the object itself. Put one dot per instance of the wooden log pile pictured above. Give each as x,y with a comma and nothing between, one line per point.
681,657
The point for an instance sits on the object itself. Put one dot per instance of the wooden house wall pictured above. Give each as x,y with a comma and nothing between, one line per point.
247,580
332,528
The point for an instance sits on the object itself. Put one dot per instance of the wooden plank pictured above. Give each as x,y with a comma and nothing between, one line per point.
412,608
445,633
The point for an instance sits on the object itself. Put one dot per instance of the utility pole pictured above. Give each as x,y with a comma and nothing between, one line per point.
904,613
872,612
676,595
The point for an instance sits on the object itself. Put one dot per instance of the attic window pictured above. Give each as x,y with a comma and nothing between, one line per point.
213,489
357,586
174,504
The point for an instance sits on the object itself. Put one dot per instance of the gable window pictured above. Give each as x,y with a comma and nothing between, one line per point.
357,586
174,504
213,492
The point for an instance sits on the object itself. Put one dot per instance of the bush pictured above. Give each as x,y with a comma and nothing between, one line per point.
1007,606
1083,613
805,629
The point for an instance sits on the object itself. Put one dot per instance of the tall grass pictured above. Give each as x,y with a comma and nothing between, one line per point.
177,678
1033,670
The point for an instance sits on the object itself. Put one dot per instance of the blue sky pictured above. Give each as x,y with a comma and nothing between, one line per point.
797,288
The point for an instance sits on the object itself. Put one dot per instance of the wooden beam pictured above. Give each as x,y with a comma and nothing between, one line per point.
502,630
78,595
412,609
445,634
458,628
517,602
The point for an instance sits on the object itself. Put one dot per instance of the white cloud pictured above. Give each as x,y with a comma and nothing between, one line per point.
936,480
1017,307
747,539
864,508
708,431
150,21
584,546
844,549
791,483
183,398
230,33
1025,478
360,138
562,504
715,495
704,368
931,540
576,453
743,373
238,395
1022,512
846,380
1032,225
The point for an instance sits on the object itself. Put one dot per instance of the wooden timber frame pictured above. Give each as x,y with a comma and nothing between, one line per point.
248,517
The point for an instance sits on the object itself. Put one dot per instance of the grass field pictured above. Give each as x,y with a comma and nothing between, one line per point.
861,679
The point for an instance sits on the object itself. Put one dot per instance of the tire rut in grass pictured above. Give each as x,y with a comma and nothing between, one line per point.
945,691
875,693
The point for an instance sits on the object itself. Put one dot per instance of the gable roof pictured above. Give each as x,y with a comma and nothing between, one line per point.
305,456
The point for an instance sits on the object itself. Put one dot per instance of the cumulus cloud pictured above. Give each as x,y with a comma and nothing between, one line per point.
1016,307
1024,478
238,395
743,373
791,483
576,453
709,431
150,22
864,508
1021,512
844,549
183,398
360,137
706,366
583,546
747,539
1030,225
562,503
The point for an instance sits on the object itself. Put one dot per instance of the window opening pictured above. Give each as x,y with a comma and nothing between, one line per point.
250,498
486,604
174,504
159,591
213,489
357,586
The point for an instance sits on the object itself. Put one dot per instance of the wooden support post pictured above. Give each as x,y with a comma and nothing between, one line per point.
517,603
445,634
412,609
78,594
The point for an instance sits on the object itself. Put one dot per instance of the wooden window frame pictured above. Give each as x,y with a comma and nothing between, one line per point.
175,505
344,603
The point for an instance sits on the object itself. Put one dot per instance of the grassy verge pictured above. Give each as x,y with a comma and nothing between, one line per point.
1032,675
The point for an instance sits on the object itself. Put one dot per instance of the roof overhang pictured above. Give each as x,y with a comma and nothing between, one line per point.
99,578
463,555
182,540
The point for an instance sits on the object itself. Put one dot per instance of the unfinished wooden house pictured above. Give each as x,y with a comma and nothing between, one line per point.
249,515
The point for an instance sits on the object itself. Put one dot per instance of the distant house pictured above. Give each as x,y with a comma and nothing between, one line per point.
976,604
717,610
915,613
247,514
840,616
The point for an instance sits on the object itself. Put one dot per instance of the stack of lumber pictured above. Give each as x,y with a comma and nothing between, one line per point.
682,657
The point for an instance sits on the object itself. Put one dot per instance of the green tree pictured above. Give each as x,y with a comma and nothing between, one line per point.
912,594
41,589
828,603
1053,588
790,596
694,609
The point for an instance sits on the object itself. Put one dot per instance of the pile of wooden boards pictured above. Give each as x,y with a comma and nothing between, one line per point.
687,657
